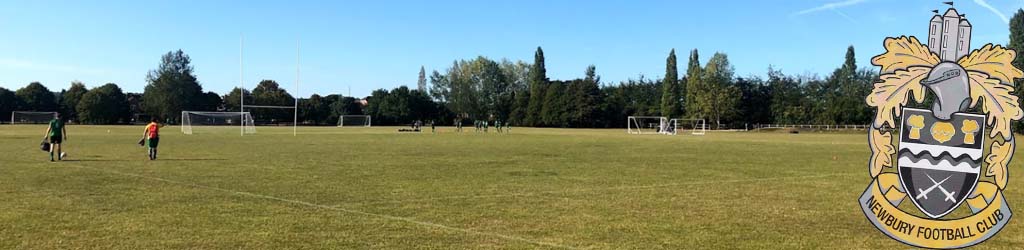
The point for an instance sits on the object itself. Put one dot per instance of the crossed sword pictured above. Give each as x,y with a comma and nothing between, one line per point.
938,184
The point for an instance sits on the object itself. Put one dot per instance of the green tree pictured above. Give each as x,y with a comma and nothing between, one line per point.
70,98
9,102
106,104
36,97
1017,44
538,86
269,93
172,87
233,100
720,98
585,99
694,86
313,110
670,101
555,108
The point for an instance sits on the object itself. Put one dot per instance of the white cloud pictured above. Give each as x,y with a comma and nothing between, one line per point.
993,10
830,6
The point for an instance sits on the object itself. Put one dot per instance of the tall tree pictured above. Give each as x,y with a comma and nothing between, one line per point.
313,110
233,100
9,102
720,98
422,82
586,99
105,104
538,85
670,106
269,93
1017,44
36,97
69,100
172,87
693,86
554,112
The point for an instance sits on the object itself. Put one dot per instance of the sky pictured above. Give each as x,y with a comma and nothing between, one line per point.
359,46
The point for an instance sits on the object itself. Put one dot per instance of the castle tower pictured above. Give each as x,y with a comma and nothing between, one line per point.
934,36
949,35
964,42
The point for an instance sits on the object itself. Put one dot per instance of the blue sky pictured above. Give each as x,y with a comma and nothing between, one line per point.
366,45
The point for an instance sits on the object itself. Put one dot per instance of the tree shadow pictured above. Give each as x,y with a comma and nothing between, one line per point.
190,159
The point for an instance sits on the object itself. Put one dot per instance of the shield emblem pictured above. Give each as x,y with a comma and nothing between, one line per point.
939,160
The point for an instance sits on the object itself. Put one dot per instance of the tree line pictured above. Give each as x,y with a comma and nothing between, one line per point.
485,89
517,92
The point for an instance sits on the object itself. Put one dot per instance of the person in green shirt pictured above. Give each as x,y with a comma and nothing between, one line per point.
57,135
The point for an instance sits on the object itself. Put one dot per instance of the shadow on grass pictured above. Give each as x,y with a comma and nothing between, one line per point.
114,160
194,159
98,160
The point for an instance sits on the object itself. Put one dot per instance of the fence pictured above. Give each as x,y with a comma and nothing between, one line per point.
807,126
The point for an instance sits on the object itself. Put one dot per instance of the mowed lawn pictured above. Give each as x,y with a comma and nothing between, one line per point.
357,188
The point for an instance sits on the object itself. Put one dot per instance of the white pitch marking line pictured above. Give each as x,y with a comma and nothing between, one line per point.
599,189
390,217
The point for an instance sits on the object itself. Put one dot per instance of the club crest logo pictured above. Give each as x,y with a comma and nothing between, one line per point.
933,184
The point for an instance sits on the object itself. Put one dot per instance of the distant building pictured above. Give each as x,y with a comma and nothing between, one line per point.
949,36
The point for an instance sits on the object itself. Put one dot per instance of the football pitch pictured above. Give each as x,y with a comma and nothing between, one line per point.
357,188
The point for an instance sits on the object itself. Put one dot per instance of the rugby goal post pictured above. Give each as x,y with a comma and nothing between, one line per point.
354,121
32,117
192,119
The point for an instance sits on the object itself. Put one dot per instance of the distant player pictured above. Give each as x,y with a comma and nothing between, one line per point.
497,126
57,135
458,125
152,136
433,129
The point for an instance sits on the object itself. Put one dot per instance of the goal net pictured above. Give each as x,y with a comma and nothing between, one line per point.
194,121
648,125
694,126
354,121
32,117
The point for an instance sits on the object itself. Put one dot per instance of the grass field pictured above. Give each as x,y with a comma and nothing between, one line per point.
345,188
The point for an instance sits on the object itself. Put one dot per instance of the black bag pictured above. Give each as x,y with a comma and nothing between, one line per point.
44,146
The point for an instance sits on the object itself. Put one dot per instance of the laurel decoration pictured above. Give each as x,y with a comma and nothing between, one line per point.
894,90
995,61
1000,104
902,53
880,152
998,160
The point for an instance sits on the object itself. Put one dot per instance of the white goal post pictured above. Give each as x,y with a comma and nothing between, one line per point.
648,125
354,121
189,119
695,126
32,117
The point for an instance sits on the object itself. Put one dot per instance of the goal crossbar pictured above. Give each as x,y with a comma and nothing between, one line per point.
43,117
354,121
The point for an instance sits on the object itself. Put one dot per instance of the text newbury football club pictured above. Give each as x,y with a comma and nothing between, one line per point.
947,155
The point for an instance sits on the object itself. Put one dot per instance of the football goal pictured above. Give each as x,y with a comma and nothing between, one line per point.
695,126
648,125
32,117
354,121
194,121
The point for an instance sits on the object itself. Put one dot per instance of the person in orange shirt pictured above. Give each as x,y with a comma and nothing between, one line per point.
152,137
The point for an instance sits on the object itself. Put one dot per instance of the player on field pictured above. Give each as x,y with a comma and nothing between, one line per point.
57,135
152,136
497,126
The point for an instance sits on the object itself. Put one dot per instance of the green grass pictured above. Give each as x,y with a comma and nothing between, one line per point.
344,188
